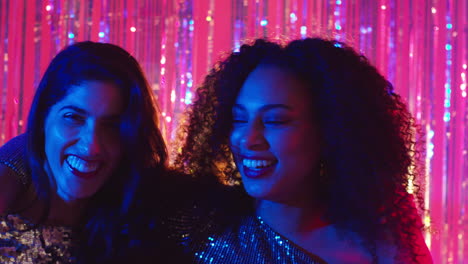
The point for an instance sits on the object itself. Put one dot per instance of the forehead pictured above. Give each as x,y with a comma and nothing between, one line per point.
269,84
94,95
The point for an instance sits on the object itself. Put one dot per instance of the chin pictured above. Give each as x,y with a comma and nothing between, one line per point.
75,195
258,194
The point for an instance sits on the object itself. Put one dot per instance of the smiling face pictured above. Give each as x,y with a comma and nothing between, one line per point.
275,139
82,139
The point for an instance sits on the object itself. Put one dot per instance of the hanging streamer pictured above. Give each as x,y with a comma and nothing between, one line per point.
420,46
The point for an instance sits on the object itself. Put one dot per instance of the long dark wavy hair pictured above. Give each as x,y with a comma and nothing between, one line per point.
143,144
370,141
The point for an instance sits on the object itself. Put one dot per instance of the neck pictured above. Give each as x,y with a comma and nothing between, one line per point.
61,212
65,212
291,220
64,209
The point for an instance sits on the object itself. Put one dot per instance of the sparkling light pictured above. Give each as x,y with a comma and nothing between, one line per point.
175,27
446,117
447,103
303,31
132,29
427,221
293,18
188,97
430,145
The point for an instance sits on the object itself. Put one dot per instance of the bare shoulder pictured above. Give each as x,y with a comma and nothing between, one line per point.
10,186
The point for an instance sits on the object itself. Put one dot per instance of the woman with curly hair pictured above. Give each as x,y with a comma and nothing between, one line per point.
313,152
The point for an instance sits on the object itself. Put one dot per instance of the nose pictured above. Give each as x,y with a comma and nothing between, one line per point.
253,137
90,141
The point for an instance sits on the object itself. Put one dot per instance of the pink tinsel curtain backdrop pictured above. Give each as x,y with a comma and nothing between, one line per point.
419,45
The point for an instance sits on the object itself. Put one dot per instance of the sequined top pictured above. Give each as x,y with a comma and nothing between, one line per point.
20,240
13,155
23,242
252,241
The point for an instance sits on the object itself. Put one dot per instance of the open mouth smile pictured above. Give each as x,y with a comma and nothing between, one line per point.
256,167
82,168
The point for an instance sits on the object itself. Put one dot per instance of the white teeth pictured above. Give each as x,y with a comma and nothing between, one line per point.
82,165
249,163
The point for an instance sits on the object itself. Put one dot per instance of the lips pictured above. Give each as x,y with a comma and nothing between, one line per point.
256,167
82,168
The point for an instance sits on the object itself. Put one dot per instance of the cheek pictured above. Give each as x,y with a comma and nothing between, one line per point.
286,142
57,132
300,146
53,140
234,139
114,148
308,152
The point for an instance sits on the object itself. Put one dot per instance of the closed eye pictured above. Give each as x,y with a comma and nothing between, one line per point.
74,118
276,122
237,120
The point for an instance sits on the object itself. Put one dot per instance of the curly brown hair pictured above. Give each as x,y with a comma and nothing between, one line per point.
370,149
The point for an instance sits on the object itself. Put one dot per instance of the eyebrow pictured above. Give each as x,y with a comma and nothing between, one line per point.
265,107
84,112
74,108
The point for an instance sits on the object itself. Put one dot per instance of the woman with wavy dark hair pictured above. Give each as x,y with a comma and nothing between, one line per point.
315,152
92,137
